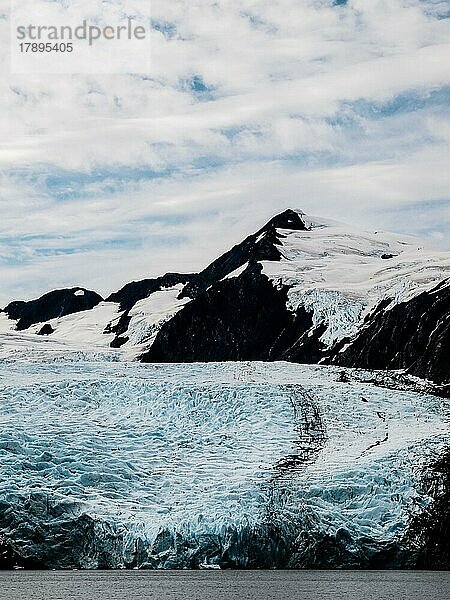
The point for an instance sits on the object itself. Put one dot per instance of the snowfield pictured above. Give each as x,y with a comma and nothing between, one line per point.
340,274
149,315
114,464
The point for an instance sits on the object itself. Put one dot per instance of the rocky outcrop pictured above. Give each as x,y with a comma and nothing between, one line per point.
413,335
430,531
46,329
132,292
240,318
52,305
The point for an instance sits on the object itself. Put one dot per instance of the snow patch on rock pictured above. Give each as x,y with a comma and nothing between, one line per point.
236,272
82,330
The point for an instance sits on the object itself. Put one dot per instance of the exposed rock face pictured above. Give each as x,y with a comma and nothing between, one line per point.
430,532
262,245
412,335
51,305
242,318
46,329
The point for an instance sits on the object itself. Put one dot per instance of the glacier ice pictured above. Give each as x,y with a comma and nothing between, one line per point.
112,464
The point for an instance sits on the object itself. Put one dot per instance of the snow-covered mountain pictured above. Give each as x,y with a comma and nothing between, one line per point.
255,459
301,289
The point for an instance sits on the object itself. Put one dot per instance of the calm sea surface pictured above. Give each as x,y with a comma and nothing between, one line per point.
230,585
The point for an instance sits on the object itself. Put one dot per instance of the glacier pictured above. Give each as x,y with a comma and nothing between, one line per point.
113,464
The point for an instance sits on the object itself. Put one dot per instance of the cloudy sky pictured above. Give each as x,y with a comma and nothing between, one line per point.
339,108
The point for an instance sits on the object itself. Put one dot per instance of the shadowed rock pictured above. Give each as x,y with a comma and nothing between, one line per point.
52,305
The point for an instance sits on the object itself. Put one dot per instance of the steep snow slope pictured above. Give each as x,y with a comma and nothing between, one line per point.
83,329
147,316
249,464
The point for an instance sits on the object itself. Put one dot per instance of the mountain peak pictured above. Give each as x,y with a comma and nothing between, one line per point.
262,245
288,219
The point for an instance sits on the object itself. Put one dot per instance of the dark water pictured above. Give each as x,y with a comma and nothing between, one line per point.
229,585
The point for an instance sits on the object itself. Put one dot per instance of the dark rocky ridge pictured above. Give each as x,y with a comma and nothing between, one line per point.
241,318
430,531
57,303
413,335
262,245
250,249
132,292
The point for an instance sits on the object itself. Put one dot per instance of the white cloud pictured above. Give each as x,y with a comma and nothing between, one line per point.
277,125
